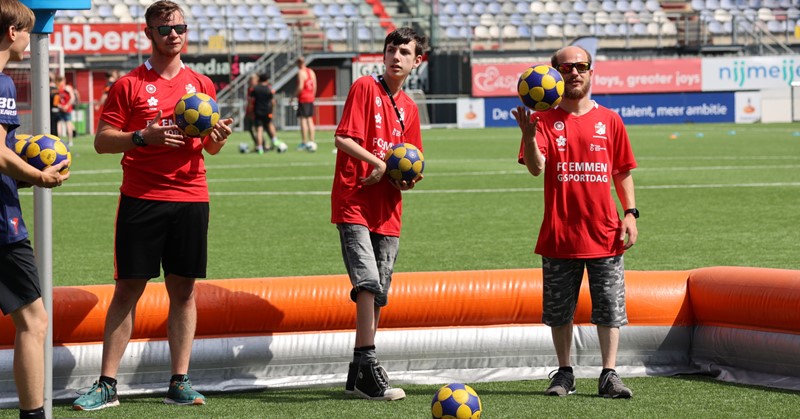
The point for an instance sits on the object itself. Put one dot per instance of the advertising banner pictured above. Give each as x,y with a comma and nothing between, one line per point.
497,111
676,108
750,73
647,76
470,113
99,38
220,68
748,107
671,108
498,79
366,64
616,76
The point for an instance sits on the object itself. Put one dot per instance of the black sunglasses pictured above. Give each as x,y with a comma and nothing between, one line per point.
582,67
166,29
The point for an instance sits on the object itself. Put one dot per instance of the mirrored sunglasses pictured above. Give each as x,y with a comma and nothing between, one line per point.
166,29
582,67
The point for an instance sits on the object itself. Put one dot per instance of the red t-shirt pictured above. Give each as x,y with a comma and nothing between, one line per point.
65,98
581,155
370,120
308,92
158,172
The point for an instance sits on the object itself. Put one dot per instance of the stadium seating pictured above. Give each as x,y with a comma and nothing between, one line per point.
509,20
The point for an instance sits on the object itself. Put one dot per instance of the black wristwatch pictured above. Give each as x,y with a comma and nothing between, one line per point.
138,139
633,211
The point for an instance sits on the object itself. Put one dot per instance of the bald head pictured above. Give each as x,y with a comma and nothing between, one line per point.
570,54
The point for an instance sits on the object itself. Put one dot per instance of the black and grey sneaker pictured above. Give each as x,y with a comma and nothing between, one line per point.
350,384
562,383
610,385
372,383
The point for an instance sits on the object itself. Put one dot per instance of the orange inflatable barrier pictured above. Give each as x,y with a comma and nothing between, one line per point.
747,298
737,324
239,307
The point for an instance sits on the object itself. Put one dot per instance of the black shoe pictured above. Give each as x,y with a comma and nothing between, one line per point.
562,383
350,384
610,385
372,383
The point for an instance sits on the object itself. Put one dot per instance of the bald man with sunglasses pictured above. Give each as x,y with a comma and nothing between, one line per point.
582,148
163,212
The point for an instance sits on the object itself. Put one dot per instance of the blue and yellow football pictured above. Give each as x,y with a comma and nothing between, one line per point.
456,401
540,87
47,150
21,144
196,114
405,162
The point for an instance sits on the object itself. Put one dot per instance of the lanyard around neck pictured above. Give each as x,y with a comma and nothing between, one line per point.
391,97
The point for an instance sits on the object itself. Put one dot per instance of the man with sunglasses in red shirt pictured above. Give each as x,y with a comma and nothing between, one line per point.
163,213
582,148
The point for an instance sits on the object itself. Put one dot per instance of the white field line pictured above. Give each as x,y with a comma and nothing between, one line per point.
444,163
458,191
72,183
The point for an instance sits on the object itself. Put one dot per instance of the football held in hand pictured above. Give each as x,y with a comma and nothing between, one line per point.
405,162
196,114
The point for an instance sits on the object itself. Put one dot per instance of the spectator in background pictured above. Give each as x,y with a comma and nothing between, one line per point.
306,93
248,113
55,109
111,77
263,105
581,230
20,292
66,105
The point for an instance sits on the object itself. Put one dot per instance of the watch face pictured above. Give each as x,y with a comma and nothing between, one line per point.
138,139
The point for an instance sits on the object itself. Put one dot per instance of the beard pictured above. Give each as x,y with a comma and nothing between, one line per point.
165,50
578,92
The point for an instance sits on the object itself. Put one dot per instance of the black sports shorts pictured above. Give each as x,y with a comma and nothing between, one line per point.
19,278
155,234
305,109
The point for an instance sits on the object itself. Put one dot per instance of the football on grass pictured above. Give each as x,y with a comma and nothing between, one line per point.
457,401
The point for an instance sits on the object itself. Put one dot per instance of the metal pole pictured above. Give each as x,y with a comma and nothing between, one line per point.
43,205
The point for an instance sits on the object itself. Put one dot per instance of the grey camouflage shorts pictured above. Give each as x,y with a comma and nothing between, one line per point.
562,284
369,259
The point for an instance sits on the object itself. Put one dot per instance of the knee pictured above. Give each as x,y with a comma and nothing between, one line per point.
32,319
181,292
128,292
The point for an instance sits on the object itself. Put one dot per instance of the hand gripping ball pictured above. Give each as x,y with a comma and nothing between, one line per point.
540,87
457,401
47,150
405,162
196,114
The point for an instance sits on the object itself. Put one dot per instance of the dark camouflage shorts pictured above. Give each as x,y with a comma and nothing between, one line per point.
562,284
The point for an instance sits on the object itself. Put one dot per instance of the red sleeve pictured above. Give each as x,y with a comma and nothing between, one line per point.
354,115
114,109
